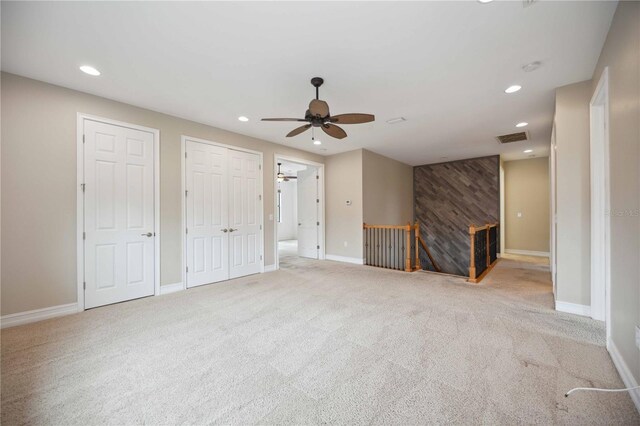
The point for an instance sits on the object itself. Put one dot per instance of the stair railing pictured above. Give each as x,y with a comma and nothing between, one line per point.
484,250
395,247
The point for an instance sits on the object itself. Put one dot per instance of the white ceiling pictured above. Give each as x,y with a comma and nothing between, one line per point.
441,65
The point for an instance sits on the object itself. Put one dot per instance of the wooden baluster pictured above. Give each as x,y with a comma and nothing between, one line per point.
418,265
407,252
472,260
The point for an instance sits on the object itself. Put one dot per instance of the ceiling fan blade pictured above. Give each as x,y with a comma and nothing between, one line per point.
334,131
298,130
283,119
319,108
354,118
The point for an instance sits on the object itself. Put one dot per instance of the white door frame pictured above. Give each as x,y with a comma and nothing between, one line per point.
81,117
553,246
600,203
277,157
183,171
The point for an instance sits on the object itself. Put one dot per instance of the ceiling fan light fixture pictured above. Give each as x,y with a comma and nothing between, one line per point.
316,141
396,120
279,175
243,118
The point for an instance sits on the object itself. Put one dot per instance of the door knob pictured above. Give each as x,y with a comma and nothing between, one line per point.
299,224
231,229
225,230
148,234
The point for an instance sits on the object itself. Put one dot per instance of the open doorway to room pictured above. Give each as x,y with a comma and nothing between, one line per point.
299,210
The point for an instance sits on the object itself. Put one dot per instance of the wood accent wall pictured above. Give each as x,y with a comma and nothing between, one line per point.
449,197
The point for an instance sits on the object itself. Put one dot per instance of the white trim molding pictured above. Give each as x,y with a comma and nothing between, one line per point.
171,288
35,315
527,252
573,308
625,374
345,259
270,268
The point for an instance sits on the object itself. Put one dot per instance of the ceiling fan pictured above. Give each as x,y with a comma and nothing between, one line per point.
318,116
280,177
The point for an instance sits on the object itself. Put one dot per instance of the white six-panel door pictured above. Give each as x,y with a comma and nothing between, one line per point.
308,222
244,213
119,258
223,208
207,214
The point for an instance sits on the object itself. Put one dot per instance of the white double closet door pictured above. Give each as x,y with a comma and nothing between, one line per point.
223,207
119,214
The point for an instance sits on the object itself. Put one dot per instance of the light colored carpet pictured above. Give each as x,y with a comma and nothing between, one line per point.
319,342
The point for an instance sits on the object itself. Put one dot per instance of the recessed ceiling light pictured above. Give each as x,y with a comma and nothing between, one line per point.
527,151
317,142
512,89
532,66
524,123
396,120
243,118
88,69
485,1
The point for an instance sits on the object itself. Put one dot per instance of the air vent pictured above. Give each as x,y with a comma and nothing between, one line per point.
513,137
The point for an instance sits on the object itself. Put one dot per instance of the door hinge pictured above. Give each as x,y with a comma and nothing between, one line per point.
186,192
82,185
187,269
82,138
260,197
84,285
260,257
185,154
318,223
261,227
317,177
259,166
84,235
186,230
318,247
317,200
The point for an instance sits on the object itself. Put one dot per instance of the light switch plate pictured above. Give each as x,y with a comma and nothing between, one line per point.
638,337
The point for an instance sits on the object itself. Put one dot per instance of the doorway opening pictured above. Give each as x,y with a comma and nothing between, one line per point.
299,210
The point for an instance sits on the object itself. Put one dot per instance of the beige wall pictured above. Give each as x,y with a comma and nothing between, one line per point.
343,180
621,54
527,192
39,187
572,186
387,190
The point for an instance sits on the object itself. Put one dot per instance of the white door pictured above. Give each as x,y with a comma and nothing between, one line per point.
244,213
308,213
207,214
118,213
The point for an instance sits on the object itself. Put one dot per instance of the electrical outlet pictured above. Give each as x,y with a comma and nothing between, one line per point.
638,336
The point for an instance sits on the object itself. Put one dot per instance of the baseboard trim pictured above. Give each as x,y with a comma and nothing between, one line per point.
171,288
35,315
573,308
344,259
528,252
625,374
269,268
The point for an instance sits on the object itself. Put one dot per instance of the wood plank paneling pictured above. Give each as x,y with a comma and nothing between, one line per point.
448,198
